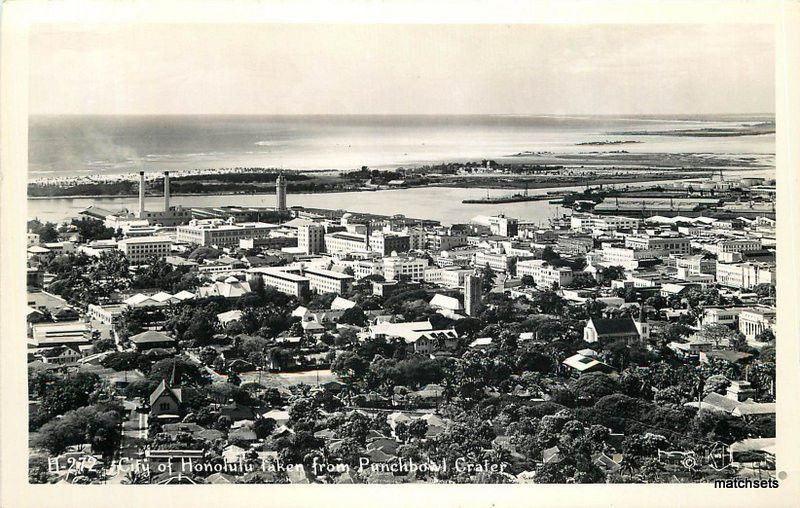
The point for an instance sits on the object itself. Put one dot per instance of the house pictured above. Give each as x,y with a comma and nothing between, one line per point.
607,330
481,343
552,455
581,364
62,355
150,340
220,479
166,402
609,464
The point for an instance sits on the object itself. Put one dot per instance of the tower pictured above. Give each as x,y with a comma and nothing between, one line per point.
141,194
472,294
280,192
642,326
166,191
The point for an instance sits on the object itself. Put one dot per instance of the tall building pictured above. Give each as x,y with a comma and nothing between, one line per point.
472,294
141,194
311,238
280,191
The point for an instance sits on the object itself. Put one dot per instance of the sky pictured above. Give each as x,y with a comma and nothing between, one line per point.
401,69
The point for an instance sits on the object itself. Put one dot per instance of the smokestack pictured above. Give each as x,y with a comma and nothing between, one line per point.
166,191
141,194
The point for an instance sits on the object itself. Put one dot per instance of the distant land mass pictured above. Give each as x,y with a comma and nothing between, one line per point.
756,129
607,142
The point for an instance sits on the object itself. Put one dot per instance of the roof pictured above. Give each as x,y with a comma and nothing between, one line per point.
150,336
582,363
340,303
164,388
483,341
614,326
146,239
445,302
755,408
763,444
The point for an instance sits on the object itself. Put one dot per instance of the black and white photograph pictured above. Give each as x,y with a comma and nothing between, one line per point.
402,253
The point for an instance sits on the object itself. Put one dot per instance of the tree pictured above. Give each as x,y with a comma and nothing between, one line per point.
612,273
92,229
183,371
488,278
103,345
263,427
527,280
593,386
581,280
349,364
353,316
96,425
720,334
418,428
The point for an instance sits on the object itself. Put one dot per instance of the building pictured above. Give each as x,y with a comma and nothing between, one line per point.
497,261
544,274
386,243
139,249
692,266
606,330
298,280
327,281
575,244
168,217
285,282
754,320
473,293
280,193
451,277
732,245
221,233
745,275
311,238
106,314
720,316
441,241
404,267
625,257
151,340
587,223
344,243
166,402
74,333
500,225
667,244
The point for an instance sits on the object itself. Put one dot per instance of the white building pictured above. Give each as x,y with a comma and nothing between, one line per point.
544,274
625,257
140,249
755,320
745,275
451,277
498,224
668,244
587,223
221,233
285,282
732,245
397,267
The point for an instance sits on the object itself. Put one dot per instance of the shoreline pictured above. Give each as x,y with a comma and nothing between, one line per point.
531,185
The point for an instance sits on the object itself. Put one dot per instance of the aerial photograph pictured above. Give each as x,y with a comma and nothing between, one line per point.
401,254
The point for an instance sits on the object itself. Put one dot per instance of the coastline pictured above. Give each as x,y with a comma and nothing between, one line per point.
531,185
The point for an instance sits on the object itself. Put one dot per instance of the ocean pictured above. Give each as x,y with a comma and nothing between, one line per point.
81,145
